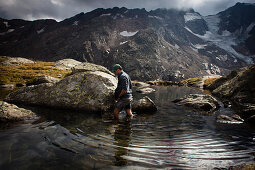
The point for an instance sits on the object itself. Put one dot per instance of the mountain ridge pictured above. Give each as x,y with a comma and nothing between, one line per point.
163,44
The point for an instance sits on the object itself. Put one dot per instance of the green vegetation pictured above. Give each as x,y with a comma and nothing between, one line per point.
24,73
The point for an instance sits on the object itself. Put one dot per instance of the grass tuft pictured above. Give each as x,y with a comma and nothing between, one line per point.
25,73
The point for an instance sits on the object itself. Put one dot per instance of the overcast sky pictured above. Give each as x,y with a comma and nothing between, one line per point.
61,9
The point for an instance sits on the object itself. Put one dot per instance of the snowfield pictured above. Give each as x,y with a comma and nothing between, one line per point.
191,16
225,41
128,34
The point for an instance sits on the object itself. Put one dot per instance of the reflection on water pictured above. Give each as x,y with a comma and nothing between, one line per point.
170,138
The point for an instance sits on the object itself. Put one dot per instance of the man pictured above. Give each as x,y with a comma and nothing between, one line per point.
123,92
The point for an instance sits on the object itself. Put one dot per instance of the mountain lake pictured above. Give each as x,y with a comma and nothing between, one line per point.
171,138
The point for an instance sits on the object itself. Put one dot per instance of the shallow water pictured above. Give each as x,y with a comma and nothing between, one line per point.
173,137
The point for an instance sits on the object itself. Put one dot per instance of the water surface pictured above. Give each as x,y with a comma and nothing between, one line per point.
173,137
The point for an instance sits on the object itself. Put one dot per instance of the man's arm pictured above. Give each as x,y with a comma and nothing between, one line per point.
122,93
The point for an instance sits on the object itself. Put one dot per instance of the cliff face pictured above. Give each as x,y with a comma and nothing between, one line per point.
160,44
238,87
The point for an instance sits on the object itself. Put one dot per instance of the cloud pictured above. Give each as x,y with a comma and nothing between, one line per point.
61,9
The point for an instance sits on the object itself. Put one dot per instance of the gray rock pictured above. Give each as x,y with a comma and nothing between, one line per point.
85,66
43,79
145,90
11,112
12,61
144,104
67,64
235,119
140,84
201,102
93,91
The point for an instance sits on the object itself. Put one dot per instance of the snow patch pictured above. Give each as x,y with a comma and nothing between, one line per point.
10,30
211,68
40,31
224,41
128,34
194,49
103,15
191,16
156,17
123,42
176,46
6,24
75,23
200,46
249,28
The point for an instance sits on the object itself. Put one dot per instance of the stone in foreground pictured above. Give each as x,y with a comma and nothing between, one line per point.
202,102
144,104
11,113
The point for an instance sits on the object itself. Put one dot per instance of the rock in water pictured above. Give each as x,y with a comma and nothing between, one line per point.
11,112
144,104
202,102
93,91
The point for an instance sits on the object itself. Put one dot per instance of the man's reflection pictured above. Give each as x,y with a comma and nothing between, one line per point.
122,140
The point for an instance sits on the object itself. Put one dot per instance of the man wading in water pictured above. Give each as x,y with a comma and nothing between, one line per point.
123,92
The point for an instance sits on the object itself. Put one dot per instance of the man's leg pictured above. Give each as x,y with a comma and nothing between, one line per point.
116,113
128,109
129,112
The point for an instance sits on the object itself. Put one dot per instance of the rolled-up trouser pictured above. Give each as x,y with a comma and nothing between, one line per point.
124,103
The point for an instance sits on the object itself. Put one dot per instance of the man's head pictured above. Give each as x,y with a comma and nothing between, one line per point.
117,69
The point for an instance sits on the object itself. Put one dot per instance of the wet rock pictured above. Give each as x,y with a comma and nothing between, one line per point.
93,91
43,79
7,86
144,104
145,90
140,84
11,112
231,120
201,102
67,64
251,119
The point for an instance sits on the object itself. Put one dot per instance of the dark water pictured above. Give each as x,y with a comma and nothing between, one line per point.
170,138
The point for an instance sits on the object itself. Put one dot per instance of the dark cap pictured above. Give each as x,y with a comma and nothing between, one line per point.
115,67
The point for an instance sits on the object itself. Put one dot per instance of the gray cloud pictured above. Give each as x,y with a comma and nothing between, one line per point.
61,9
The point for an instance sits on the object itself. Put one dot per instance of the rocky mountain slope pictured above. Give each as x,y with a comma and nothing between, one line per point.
159,44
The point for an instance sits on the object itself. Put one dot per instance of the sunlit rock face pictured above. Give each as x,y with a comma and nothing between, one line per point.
150,45
93,91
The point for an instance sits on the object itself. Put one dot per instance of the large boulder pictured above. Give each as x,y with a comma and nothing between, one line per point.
11,112
93,91
201,102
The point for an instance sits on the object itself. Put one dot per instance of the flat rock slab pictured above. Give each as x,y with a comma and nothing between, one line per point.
200,102
10,113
